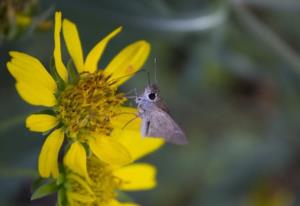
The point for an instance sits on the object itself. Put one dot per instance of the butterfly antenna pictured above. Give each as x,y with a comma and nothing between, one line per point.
124,76
135,91
128,96
155,70
148,76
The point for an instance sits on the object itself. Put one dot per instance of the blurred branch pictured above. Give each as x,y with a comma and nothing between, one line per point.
182,23
17,172
292,5
38,19
267,36
13,121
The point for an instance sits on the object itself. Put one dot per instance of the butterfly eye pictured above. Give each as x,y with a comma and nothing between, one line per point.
152,96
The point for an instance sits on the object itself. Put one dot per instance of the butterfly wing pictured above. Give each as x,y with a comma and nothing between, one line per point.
160,124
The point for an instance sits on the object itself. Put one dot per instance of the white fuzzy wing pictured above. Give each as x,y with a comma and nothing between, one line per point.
160,124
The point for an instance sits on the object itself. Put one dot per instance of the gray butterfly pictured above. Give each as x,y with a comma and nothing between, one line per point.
156,119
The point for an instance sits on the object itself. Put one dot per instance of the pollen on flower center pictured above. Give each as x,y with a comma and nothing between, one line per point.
88,105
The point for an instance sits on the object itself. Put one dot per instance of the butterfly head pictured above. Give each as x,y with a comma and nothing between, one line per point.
149,96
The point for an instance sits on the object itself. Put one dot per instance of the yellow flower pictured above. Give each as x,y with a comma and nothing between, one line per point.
84,109
107,180
23,20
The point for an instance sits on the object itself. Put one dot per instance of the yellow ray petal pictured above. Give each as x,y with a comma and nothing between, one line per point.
34,83
73,44
127,119
79,189
23,20
71,177
60,67
28,68
138,176
117,203
49,154
92,59
136,144
41,122
34,95
75,159
82,198
19,71
128,61
109,150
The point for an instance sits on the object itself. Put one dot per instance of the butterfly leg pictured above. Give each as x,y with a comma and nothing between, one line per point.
145,128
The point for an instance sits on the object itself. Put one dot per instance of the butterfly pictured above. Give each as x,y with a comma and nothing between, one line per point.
156,118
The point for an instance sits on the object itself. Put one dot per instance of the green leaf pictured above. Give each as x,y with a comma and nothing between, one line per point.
11,122
44,190
38,183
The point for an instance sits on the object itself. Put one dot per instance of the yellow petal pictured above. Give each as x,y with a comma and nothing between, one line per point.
91,63
60,67
109,150
117,203
49,154
29,68
78,189
82,198
41,122
73,44
127,119
136,144
82,184
34,83
128,61
139,176
23,20
75,159
35,96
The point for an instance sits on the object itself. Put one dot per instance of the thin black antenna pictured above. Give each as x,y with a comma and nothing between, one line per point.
148,75
155,70
127,75
135,92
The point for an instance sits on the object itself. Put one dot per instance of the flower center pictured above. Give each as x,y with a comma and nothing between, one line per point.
105,183
89,105
101,191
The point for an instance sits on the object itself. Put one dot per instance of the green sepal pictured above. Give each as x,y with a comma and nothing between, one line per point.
37,183
123,197
53,71
73,74
61,193
87,149
59,81
46,111
61,178
44,190
61,197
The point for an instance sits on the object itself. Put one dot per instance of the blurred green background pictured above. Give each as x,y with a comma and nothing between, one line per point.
229,71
